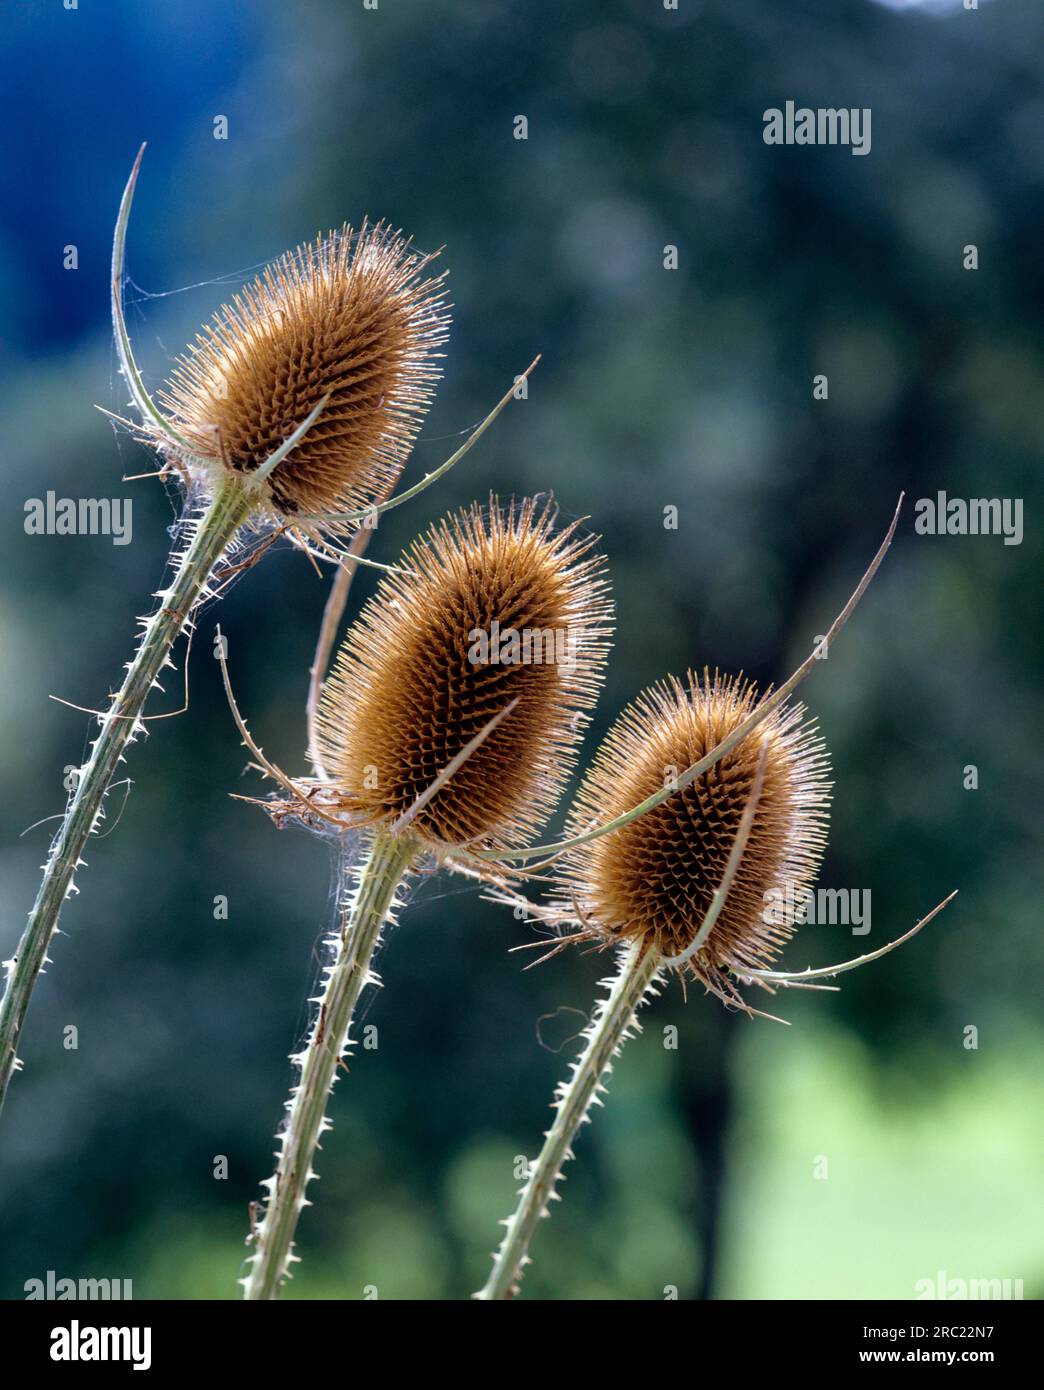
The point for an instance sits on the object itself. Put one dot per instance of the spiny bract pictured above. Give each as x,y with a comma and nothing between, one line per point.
655,878
348,316
418,675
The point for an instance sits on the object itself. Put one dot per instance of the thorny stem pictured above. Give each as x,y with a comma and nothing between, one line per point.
389,860
606,1035
234,498
613,1023
214,532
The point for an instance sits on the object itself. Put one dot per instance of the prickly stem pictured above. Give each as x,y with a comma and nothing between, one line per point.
371,904
613,1023
214,533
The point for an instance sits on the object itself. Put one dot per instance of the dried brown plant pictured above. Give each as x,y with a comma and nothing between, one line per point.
655,879
349,319
408,690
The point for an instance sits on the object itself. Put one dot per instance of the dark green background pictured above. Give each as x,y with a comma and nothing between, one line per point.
688,387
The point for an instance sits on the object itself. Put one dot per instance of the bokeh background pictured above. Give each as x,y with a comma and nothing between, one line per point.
691,388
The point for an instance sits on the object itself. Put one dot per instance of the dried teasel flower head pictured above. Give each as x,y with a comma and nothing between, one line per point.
350,317
492,610
655,878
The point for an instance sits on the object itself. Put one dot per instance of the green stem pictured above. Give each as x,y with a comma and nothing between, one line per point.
612,1025
389,860
214,532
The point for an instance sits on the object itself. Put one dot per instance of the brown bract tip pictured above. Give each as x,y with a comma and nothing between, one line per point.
490,607
655,877
350,317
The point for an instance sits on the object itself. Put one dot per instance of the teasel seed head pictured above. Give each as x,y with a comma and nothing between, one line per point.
654,879
409,688
350,317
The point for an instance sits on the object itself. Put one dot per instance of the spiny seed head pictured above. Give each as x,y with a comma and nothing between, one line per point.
655,878
350,317
431,660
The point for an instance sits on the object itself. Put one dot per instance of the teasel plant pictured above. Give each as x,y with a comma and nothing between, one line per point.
697,873
429,740
292,414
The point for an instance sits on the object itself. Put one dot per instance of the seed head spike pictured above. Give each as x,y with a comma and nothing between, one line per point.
410,689
660,878
348,323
